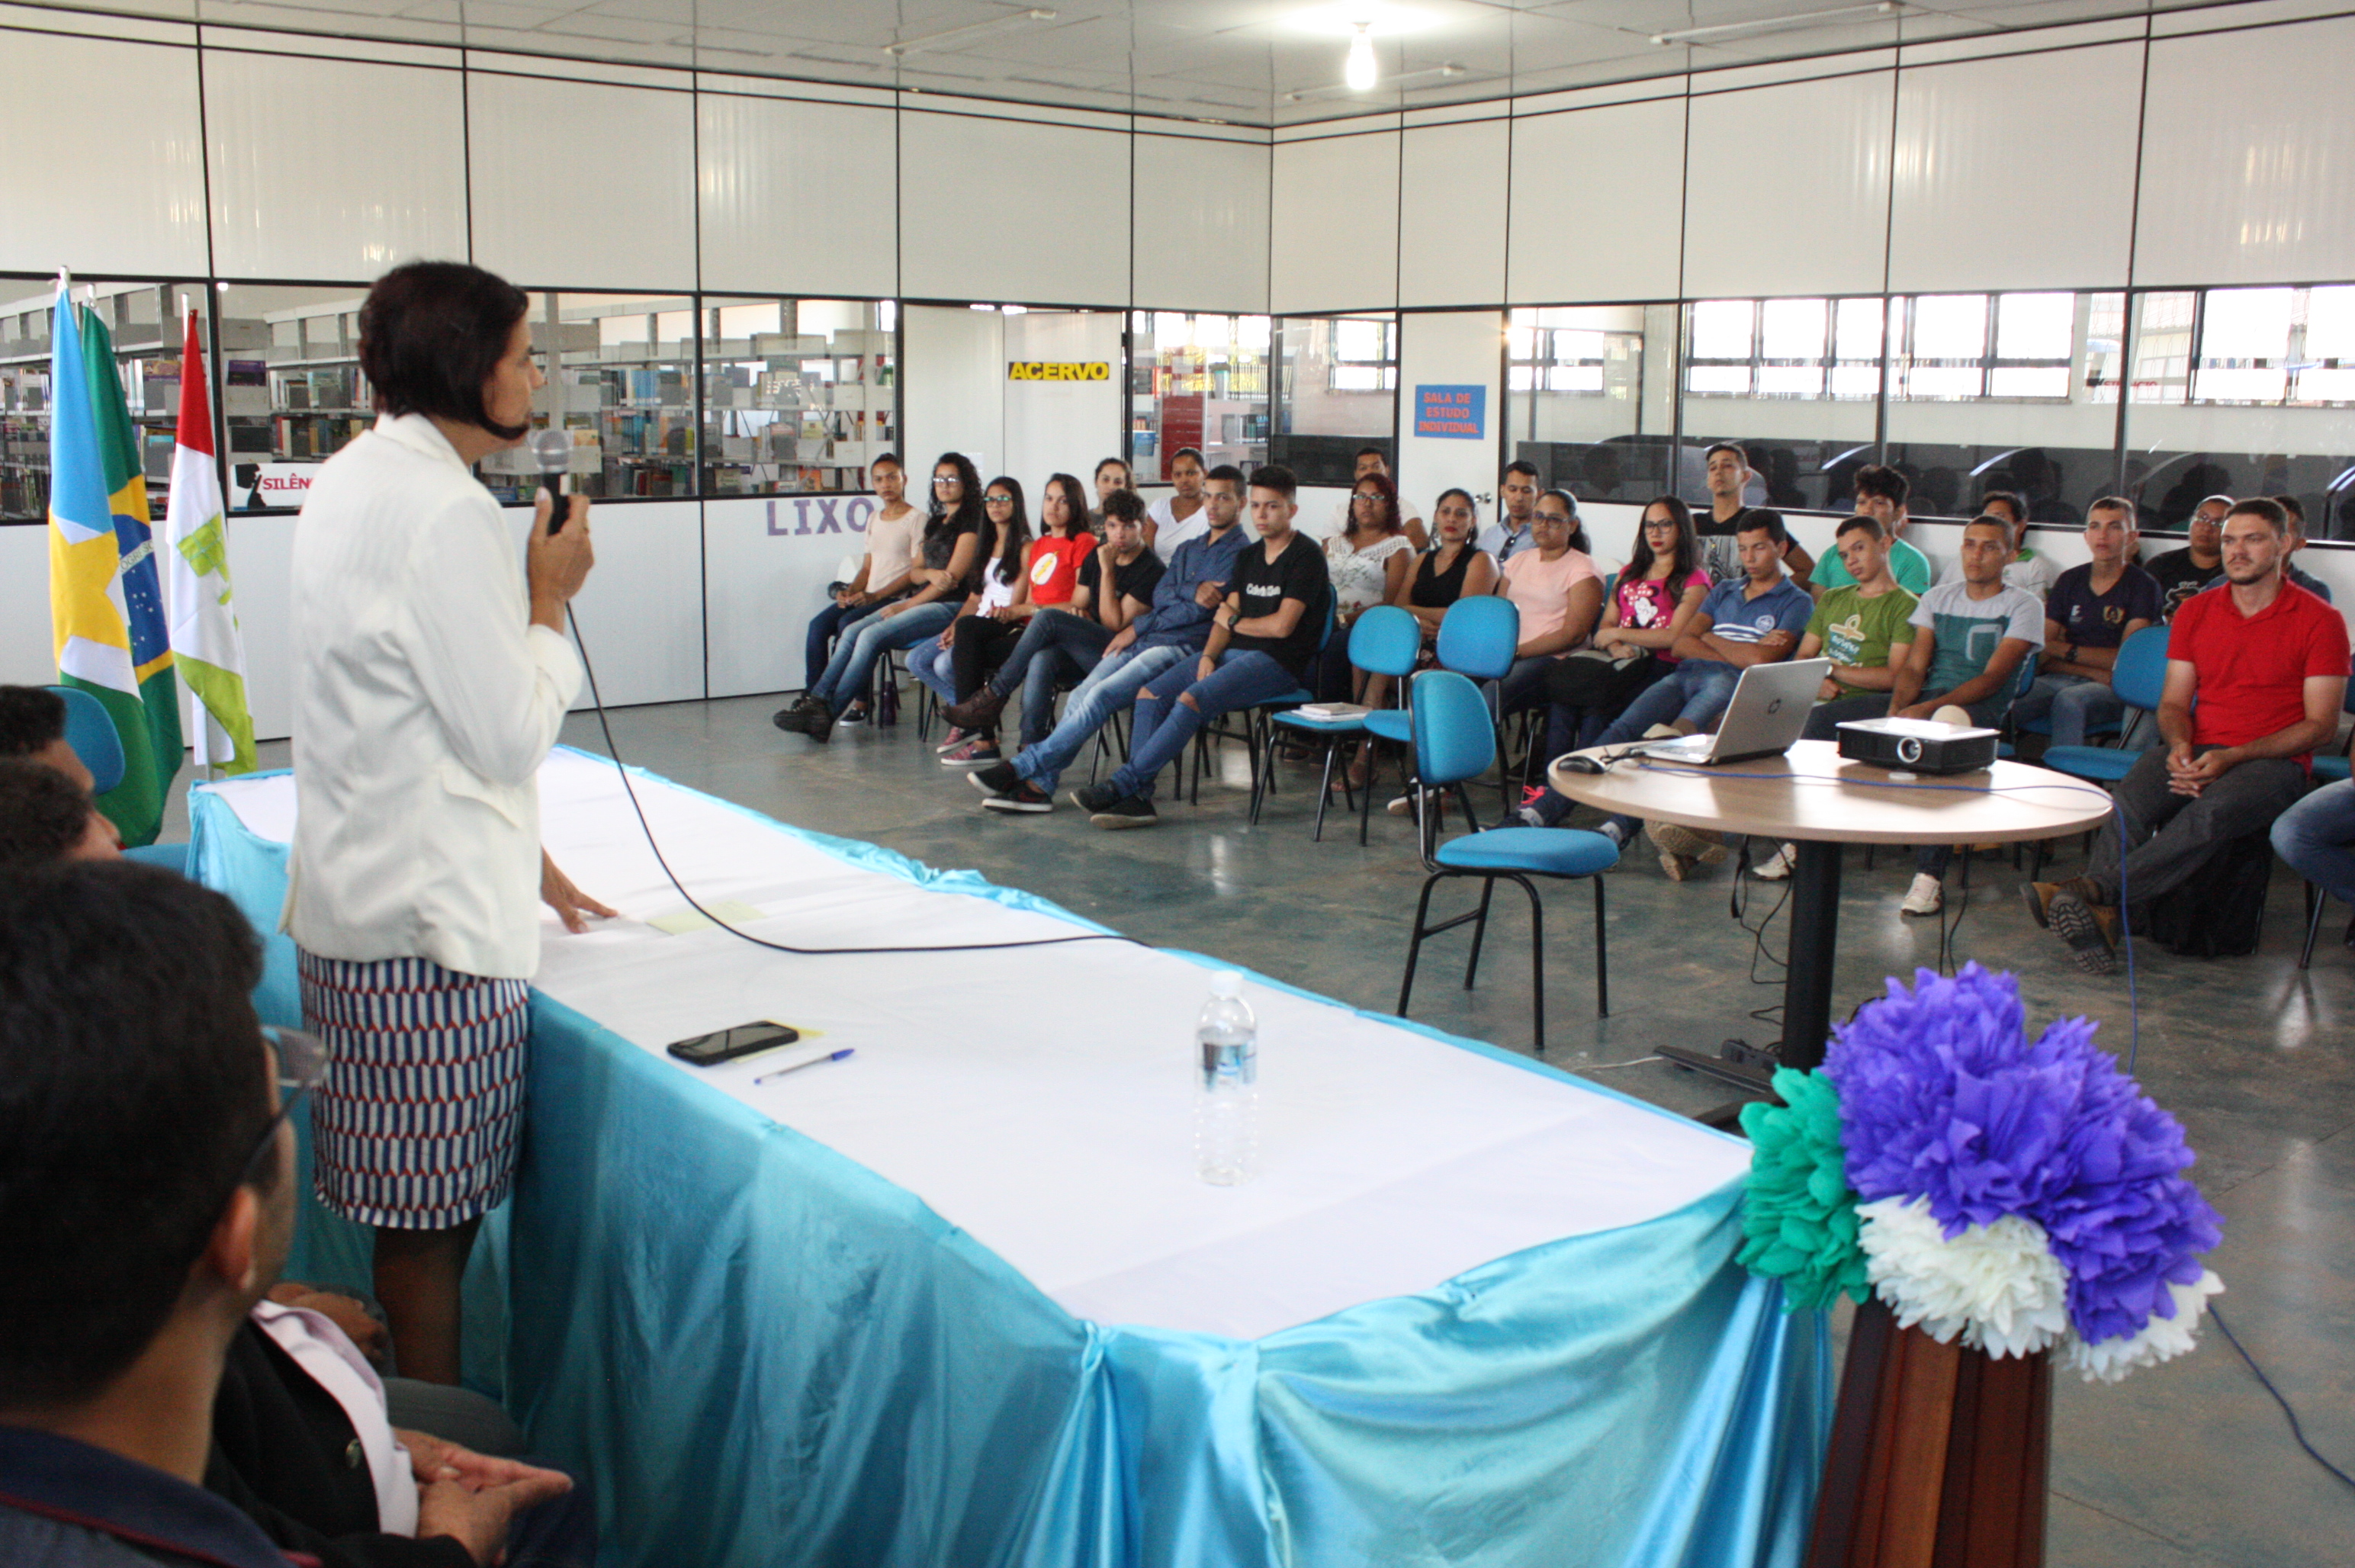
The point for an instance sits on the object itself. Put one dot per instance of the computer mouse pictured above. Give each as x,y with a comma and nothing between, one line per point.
1578,764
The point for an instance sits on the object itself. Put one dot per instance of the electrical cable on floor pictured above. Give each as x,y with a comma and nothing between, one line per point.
2295,1429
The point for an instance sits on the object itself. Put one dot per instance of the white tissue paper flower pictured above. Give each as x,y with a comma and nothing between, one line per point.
2161,1338
1996,1285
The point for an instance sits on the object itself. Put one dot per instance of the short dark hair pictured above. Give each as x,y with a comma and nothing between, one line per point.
430,334
1125,505
1275,476
1766,520
1868,525
881,458
1990,520
2271,510
1717,446
1193,451
1121,463
31,719
2294,508
2006,497
42,814
1878,479
1382,453
2112,504
1228,472
133,1092
1523,465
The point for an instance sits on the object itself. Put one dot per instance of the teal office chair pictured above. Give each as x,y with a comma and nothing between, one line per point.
91,735
1455,739
2328,770
1476,639
1385,640
2138,677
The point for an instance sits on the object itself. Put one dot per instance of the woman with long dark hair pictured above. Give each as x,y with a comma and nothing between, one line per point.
950,551
432,673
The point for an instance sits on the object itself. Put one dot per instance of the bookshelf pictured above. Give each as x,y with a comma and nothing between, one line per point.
798,395
144,321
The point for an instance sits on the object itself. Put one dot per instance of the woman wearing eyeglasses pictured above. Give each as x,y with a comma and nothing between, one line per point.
1650,606
950,549
1368,562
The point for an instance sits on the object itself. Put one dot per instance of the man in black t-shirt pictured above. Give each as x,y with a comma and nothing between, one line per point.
1263,637
2093,609
2183,572
1728,476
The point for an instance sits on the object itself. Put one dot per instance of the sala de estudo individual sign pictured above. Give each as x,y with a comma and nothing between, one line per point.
1058,370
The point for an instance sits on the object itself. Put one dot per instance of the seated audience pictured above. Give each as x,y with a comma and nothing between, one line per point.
1560,596
949,547
2295,510
1730,477
1455,569
2091,610
1373,460
1112,473
1881,495
1866,630
1057,648
1174,518
1263,642
1649,607
46,817
1173,631
2183,572
2316,837
1516,503
2024,567
2256,673
147,1178
1964,664
1045,573
883,573
1368,562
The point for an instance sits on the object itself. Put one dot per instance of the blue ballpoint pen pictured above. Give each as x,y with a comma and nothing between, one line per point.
797,1066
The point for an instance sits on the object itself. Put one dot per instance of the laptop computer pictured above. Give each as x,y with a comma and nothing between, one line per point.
1769,708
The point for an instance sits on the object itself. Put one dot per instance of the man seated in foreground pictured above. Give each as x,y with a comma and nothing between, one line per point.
1263,639
1963,665
2256,673
1175,630
146,1205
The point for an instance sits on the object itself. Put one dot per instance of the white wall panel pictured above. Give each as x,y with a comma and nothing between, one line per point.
765,567
1627,161
641,613
1968,216
291,203
27,654
1060,426
1334,234
1449,348
583,184
953,389
2247,188
796,197
101,171
1819,225
1452,184
1200,240
262,571
999,209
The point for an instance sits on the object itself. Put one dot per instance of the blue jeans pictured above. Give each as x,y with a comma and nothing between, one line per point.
1056,646
1163,724
1523,686
2074,705
832,621
1695,692
1112,686
928,662
2317,836
852,665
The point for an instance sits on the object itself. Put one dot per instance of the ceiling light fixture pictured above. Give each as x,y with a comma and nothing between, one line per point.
1407,82
1360,70
931,40
1776,24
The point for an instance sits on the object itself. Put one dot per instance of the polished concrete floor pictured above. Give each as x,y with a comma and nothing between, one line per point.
2190,1464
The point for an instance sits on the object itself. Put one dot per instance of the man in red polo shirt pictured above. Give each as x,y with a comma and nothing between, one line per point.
2267,662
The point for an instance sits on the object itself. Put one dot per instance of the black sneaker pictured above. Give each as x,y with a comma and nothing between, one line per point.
999,779
792,721
1092,798
817,723
857,713
1027,798
1135,811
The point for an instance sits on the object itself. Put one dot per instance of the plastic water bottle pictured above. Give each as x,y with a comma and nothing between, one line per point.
1226,1113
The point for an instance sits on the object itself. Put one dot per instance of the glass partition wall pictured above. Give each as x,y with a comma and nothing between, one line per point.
1198,380
1590,396
1336,391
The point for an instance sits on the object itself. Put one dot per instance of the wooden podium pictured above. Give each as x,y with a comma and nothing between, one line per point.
1939,1456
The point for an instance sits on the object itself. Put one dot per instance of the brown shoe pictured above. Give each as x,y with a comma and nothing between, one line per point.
2038,897
2086,931
1685,843
977,713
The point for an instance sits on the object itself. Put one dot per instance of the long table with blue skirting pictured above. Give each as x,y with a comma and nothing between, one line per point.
960,1299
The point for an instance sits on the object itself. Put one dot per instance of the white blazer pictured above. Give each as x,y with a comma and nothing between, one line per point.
424,704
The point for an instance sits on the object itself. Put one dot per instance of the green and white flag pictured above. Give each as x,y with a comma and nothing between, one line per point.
208,650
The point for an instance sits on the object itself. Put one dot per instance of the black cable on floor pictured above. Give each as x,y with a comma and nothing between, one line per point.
2295,1430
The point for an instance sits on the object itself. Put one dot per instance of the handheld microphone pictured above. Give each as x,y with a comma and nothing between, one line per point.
552,456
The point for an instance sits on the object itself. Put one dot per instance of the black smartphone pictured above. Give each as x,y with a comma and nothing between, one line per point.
728,1044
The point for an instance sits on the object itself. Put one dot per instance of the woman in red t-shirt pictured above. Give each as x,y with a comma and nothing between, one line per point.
979,643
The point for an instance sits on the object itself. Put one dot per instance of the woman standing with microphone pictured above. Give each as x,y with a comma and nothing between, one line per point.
430,675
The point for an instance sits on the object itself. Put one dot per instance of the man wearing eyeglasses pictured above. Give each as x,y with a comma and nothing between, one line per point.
146,1207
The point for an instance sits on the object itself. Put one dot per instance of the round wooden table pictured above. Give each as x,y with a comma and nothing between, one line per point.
1819,801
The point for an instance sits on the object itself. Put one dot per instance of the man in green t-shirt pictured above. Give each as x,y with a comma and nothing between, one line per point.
1866,631
1881,495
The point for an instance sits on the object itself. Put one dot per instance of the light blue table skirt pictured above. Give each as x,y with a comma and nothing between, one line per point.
761,1352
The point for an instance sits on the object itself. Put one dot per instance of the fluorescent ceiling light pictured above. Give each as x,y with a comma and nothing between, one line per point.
1778,23
1407,82
1359,70
932,40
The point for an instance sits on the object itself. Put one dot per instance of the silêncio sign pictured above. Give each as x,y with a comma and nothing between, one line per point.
1058,370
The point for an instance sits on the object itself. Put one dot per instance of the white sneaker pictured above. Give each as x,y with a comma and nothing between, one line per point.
1528,818
1926,896
1613,830
1404,805
1778,866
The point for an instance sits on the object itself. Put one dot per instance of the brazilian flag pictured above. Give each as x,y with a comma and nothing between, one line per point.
106,604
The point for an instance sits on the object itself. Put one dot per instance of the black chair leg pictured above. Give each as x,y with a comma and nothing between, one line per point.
1480,929
1537,962
1414,942
2314,897
1325,791
1601,955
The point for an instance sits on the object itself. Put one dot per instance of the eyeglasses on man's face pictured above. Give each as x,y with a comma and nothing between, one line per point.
302,1059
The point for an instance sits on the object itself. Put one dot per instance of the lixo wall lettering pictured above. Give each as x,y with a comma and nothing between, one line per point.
1058,370
821,515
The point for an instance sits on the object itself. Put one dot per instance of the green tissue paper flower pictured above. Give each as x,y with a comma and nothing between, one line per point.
1800,1213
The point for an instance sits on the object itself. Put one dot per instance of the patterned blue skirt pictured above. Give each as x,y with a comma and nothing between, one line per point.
415,1126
